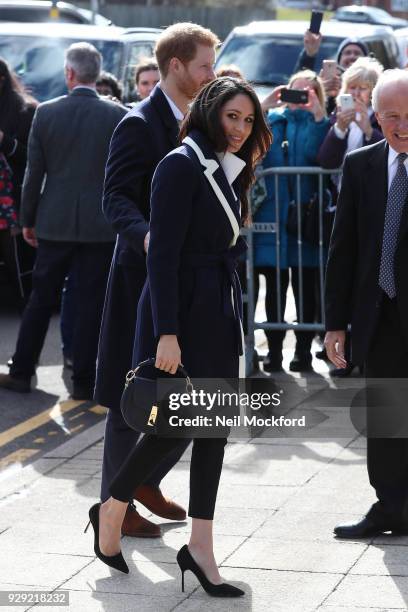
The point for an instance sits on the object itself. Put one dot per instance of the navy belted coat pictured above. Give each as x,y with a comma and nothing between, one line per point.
192,288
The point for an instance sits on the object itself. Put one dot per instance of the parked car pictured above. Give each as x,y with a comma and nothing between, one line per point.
368,14
402,39
267,51
37,54
34,11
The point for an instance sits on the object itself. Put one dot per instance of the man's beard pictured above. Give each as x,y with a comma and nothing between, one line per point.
188,87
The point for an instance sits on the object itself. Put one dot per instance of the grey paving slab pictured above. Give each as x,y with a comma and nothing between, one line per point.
350,500
280,590
267,496
40,568
164,550
384,592
144,578
21,588
383,561
82,601
296,556
49,538
280,465
58,505
299,525
360,442
233,521
339,442
354,609
14,479
81,441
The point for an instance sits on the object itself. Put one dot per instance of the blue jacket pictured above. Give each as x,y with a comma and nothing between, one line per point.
305,136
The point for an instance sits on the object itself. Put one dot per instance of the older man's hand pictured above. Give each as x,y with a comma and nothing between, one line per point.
334,344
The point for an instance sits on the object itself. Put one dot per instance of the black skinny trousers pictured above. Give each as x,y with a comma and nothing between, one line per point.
205,470
310,304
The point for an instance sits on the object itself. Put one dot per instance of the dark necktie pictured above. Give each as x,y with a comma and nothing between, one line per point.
397,196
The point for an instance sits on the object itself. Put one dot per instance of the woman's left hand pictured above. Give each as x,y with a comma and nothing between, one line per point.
168,354
314,106
362,119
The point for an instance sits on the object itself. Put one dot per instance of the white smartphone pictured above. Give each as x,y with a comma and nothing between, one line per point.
346,102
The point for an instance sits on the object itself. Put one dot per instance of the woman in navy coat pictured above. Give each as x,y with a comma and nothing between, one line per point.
190,308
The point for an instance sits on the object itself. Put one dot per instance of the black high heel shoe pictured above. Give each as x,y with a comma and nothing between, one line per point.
186,562
115,561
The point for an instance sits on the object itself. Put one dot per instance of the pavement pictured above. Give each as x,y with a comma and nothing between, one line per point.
278,501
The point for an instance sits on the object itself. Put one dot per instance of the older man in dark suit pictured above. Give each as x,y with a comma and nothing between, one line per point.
367,286
62,217
185,54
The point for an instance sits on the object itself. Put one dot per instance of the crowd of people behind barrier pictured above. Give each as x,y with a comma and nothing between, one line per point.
317,133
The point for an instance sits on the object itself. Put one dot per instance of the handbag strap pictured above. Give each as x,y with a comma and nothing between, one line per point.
150,362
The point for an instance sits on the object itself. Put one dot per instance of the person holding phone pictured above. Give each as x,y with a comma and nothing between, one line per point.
311,43
298,129
353,125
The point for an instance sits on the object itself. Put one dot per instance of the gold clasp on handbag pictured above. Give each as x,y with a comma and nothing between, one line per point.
153,416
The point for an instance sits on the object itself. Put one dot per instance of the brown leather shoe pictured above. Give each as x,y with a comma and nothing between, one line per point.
153,499
21,385
137,526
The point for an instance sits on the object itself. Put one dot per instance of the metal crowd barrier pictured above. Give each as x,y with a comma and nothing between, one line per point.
249,294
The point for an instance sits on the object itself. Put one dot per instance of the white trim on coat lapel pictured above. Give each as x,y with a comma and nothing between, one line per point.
210,167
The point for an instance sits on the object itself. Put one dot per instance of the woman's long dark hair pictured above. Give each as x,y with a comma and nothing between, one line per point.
13,97
205,115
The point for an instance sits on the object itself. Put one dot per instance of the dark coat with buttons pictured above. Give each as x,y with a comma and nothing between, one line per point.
192,289
353,294
145,135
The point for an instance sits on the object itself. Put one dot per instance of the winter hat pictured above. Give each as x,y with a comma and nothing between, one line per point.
351,41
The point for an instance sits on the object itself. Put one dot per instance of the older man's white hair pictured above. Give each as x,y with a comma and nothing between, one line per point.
85,60
395,76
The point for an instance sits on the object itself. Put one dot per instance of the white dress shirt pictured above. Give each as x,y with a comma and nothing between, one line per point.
393,165
176,111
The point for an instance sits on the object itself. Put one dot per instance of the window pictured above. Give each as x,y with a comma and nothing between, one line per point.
39,61
264,59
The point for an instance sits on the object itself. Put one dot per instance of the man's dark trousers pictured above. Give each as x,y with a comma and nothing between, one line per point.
387,457
53,263
120,439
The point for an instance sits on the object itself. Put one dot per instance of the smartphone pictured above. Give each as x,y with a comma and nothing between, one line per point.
315,21
346,102
294,96
329,69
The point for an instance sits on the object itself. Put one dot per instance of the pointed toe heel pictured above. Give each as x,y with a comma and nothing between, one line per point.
186,562
115,561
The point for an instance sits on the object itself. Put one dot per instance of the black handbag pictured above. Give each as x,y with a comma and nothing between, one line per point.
142,408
